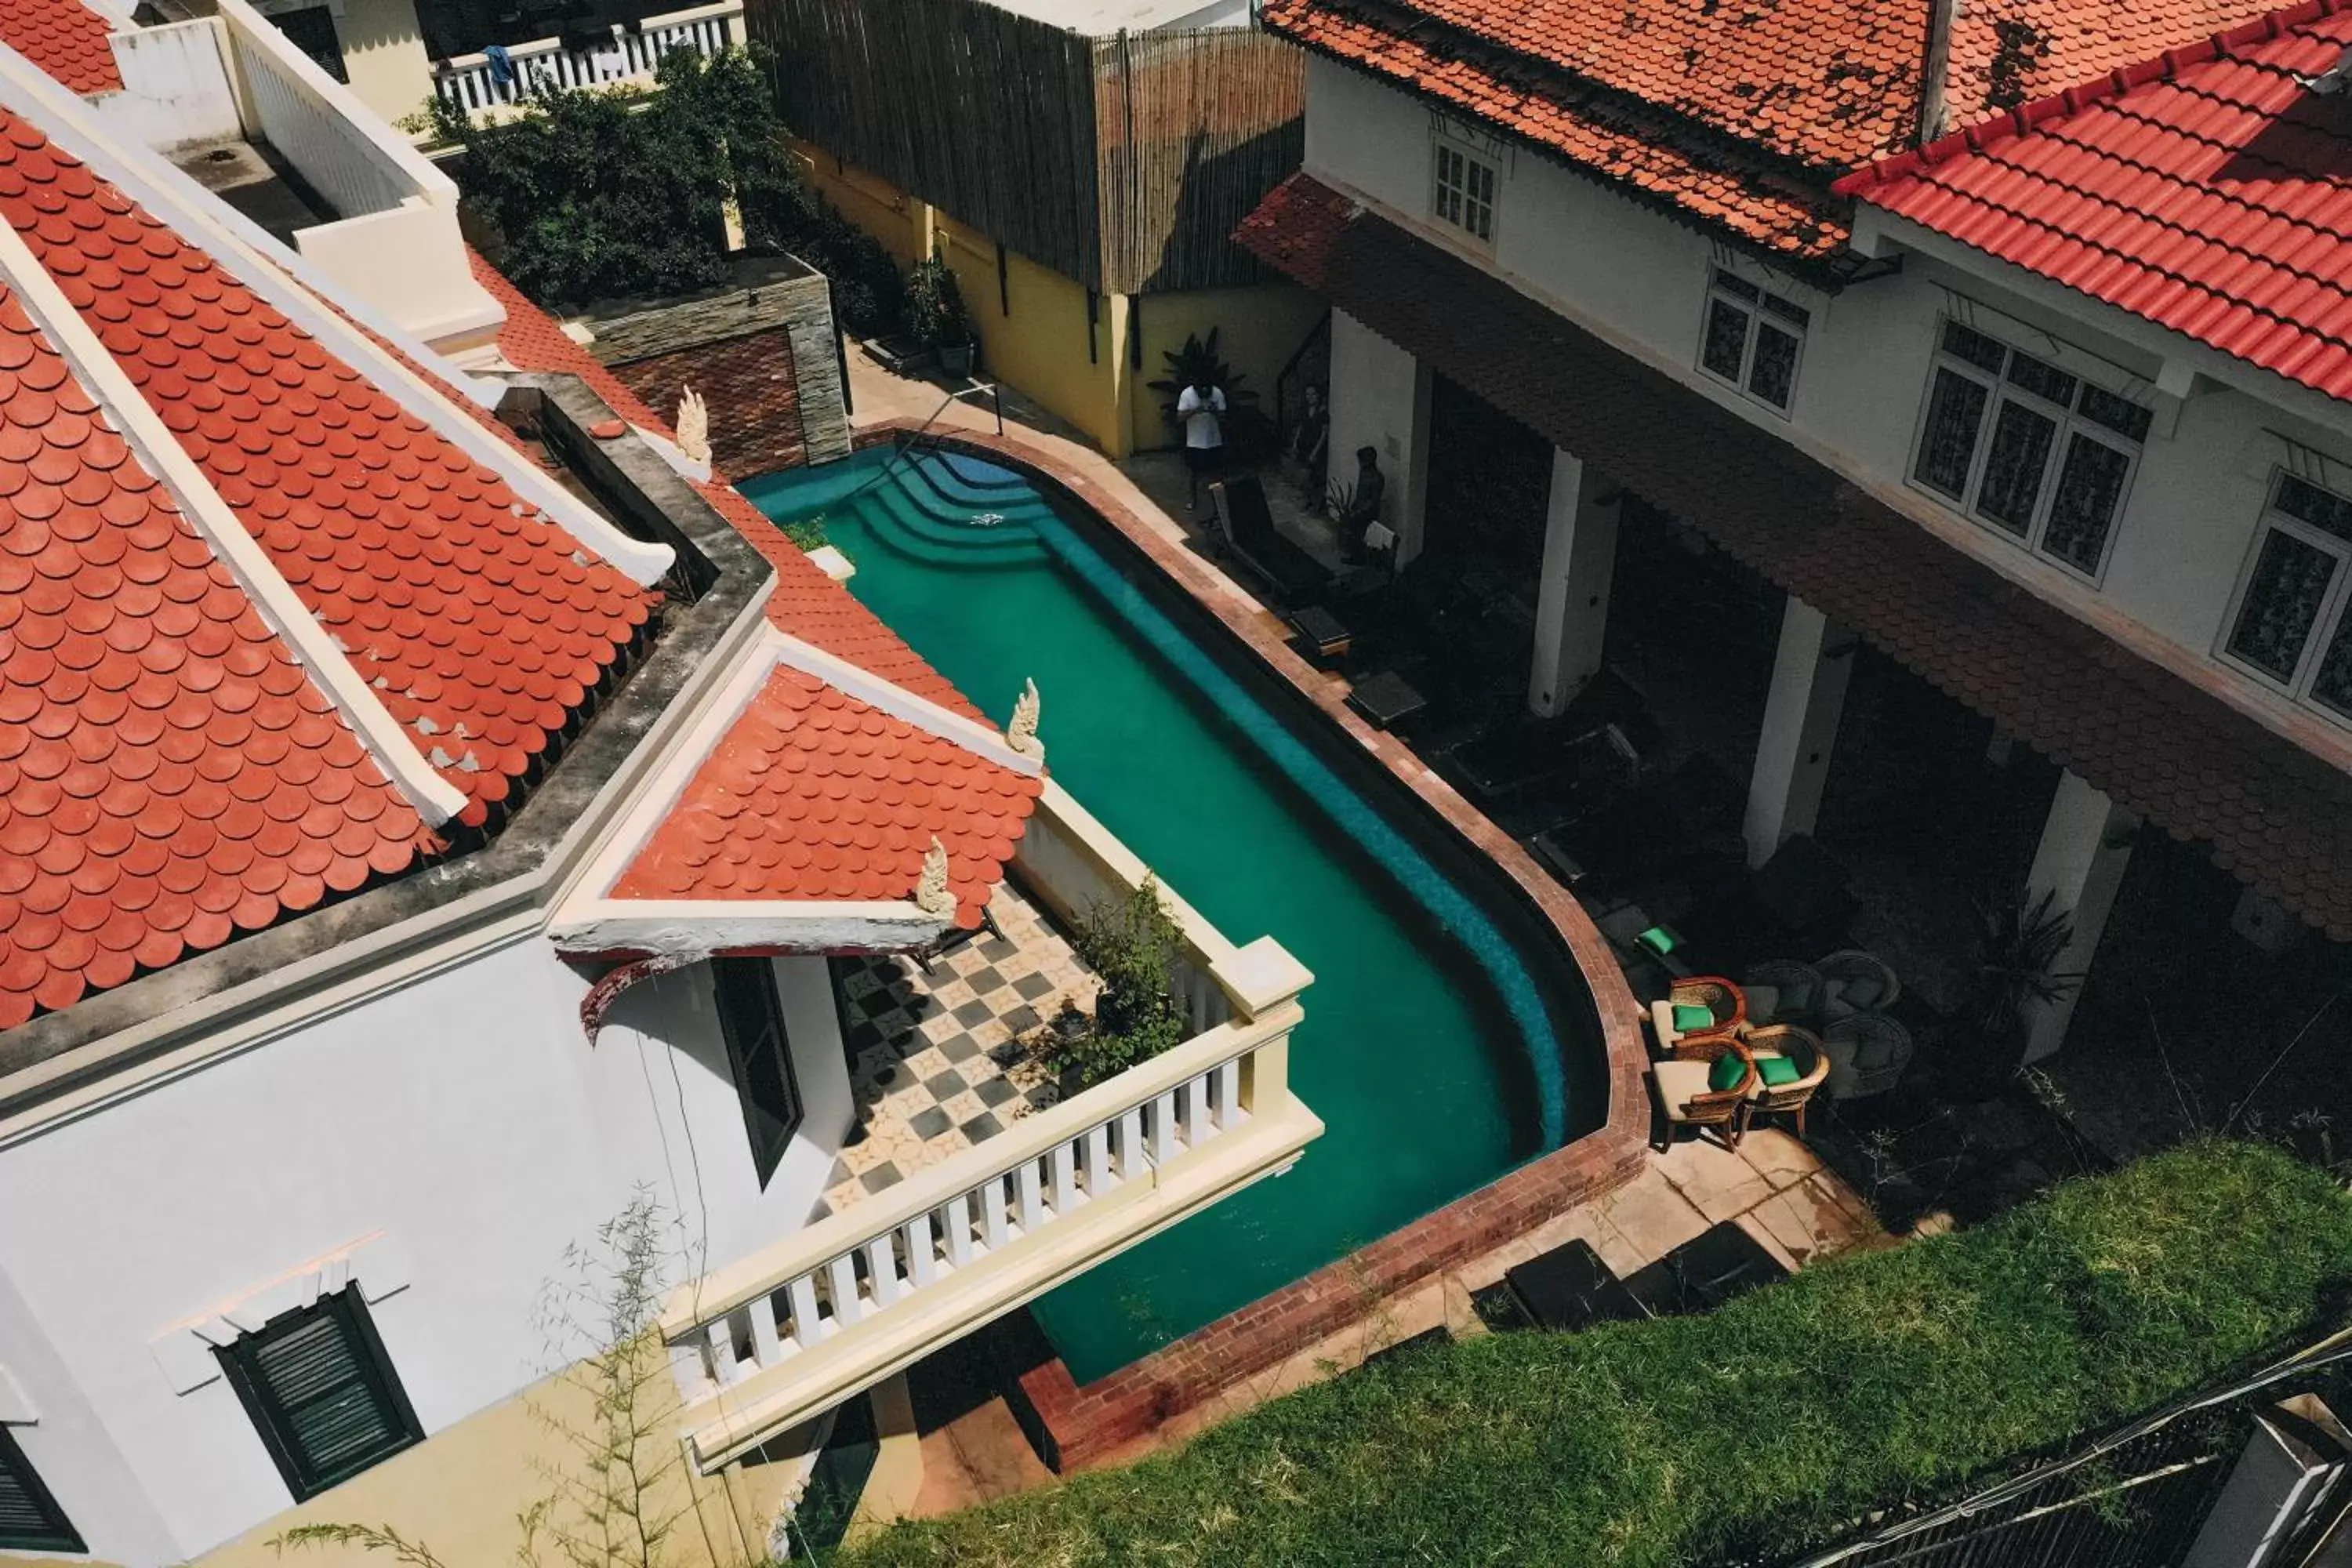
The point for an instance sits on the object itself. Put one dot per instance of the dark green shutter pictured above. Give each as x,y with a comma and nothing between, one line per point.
319,1386
752,1016
29,1517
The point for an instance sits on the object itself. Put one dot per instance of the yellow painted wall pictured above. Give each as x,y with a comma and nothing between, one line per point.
458,1492
383,53
1258,329
1032,333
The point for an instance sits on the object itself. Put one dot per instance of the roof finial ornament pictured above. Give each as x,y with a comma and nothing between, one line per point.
931,894
693,426
1022,733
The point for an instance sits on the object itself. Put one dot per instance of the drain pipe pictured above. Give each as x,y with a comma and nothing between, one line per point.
1933,105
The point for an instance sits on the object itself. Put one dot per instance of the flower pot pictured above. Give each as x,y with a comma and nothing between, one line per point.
955,359
901,354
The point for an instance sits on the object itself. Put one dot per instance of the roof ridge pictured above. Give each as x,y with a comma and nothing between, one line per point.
272,597
2030,116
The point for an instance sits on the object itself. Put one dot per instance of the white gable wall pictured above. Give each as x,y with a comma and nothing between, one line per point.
465,1117
1637,279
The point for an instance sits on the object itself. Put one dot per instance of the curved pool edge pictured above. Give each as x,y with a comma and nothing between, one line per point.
1075,1427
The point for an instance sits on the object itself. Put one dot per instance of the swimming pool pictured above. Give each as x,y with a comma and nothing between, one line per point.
1447,1036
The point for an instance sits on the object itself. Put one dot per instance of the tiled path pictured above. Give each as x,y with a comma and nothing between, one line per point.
936,1062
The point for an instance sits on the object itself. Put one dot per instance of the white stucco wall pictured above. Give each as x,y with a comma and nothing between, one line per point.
175,87
466,1117
1637,279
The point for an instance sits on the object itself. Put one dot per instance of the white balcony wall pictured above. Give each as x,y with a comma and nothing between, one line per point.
465,1118
175,87
627,61
1636,279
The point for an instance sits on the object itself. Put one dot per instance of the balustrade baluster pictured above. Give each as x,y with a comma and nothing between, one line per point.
848,1306
720,1337
958,1230
1032,1196
922,1251
1230,1110
1061,1160
808,1321
996,1225
1197,1127
1132,1159
1163,1127
882,1270
1099,1177
766,1349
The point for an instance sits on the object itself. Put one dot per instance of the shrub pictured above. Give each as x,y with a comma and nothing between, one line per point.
1131,944
1763,1427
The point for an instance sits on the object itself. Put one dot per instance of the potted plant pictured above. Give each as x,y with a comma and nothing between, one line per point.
1132,945
2021,938
935,315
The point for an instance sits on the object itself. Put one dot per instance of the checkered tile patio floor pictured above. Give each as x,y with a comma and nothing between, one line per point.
936,1062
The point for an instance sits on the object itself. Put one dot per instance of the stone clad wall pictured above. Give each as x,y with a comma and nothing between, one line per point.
760,349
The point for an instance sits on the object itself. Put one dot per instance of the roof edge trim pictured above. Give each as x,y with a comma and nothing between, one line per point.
900,703
436,800
133,171
700,928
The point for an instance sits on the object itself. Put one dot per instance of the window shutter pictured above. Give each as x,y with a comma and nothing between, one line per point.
29,1518
318,1385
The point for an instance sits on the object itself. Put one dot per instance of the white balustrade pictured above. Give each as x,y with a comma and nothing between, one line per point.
359,165
629,58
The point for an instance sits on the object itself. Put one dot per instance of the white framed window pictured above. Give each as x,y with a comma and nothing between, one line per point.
2032,450
1462,193
1753,339
2287,624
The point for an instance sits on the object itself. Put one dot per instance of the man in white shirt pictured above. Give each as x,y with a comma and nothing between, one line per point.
1204,433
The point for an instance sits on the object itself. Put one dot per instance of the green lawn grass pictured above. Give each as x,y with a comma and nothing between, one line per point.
1764,1426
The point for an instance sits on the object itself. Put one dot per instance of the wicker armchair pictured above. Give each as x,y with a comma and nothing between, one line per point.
1689,1100
1854,981
1801,1047
1720,996
1867,1054
1783,991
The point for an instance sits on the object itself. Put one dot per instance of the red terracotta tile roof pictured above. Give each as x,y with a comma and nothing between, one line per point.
1713,180
64,38
807,603
2277,816
482,627
1739,115
2203,190
814,794
170,776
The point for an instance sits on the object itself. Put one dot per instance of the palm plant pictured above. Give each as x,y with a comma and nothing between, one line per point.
2021,938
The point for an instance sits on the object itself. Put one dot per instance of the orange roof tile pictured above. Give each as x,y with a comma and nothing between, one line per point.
2194,188
1738,116
482,625
170,776
814,794
64,38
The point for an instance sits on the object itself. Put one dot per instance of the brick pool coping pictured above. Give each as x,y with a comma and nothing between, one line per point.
1074,1425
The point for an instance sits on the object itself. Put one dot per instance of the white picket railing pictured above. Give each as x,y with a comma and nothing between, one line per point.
343,153
467,82
861,1291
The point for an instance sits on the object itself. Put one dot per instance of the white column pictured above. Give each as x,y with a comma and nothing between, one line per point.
1580,556
2085,846
1801,721
1380,398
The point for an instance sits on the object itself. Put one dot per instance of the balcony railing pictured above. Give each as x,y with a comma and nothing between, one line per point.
792,1330
630,58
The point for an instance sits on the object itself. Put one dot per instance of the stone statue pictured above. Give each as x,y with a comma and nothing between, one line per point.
1022,733
931,893
693,426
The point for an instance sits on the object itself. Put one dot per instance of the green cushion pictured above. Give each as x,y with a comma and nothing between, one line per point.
1659,940
1776,1071
1689,1018
1728,1072
1865,991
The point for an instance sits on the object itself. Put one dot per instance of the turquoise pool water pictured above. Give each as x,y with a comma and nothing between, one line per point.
1439,1047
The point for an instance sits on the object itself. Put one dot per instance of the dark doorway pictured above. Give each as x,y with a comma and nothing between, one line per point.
1489,490
313,32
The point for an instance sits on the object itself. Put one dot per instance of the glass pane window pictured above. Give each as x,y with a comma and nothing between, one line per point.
752,1016
1947,447
2293,621
1463,195
1753,340
322,1393
2033,449
30,1519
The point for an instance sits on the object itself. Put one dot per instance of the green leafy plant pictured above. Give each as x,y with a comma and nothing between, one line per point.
1195,361
1132,945
807,532
935,313
2020,941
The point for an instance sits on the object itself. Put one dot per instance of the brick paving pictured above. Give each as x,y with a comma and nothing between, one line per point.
937,1063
